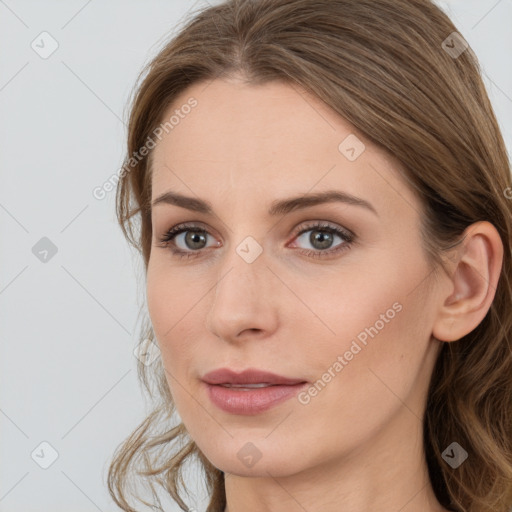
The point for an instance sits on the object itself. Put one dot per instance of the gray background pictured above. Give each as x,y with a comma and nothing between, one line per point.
68,326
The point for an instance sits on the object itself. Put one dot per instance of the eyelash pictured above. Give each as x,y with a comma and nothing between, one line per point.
347,236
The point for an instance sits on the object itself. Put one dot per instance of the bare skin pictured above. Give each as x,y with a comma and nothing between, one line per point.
355,445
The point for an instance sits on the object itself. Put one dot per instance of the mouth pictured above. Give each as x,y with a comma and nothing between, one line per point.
249,401
247,386
249,392
248,378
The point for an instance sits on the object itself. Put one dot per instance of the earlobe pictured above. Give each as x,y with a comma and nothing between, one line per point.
472,284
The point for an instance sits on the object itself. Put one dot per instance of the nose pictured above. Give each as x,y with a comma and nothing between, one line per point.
244,302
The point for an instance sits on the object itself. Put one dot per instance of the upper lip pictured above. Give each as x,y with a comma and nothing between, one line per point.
249,376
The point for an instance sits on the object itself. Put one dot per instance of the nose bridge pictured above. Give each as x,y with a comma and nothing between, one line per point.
241,298
244,252
245,272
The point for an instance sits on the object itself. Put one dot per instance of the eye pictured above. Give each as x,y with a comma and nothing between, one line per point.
193,237
322,237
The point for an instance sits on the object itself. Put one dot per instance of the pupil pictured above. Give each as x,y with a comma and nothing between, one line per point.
323,237
194,238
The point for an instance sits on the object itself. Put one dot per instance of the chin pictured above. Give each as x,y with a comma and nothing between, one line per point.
251,462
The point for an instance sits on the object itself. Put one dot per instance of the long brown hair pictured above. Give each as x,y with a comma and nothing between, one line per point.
397,72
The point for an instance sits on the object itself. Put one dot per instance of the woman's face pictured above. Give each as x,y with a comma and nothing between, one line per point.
283,292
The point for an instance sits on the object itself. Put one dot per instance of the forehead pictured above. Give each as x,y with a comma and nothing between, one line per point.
271,139
243,121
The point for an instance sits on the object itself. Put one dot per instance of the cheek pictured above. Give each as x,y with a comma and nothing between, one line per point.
170,294
160,300
176,302
380,336
377,317
171,302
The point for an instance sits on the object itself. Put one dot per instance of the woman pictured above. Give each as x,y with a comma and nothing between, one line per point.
321,194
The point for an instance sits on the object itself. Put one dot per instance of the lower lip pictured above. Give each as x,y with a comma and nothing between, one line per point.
251,401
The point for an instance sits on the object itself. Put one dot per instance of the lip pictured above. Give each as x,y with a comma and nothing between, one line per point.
246,401
249,376
249,401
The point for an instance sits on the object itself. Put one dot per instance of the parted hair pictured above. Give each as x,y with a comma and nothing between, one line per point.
390,69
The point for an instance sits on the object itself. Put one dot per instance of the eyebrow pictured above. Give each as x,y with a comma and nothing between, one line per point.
277,207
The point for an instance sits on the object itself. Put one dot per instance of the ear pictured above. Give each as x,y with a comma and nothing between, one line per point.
473,282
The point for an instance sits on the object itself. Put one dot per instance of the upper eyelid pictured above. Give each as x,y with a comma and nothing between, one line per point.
305,225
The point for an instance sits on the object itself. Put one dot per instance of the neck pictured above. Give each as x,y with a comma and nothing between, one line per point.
388,474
